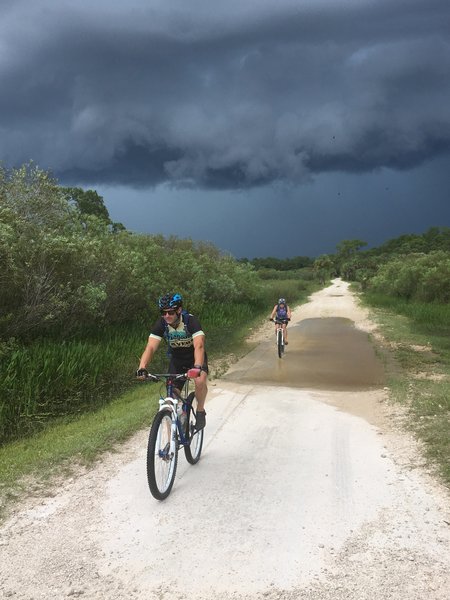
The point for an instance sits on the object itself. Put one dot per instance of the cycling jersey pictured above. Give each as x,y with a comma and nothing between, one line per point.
282,313
180,338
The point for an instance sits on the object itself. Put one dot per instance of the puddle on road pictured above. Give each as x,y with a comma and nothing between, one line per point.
327,354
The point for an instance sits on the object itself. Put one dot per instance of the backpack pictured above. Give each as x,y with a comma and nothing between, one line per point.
282,310
185,318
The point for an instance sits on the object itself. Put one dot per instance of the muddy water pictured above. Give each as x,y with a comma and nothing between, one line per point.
326,353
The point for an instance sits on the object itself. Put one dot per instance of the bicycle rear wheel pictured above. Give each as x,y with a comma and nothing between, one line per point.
194,449
280,345
161,462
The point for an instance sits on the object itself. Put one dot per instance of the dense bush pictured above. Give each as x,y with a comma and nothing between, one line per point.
63,270
280,264
78,294
422,277
305,274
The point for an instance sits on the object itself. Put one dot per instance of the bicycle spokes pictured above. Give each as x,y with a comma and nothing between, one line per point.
162,456
172,427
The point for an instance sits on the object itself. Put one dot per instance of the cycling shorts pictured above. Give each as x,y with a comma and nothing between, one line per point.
180,366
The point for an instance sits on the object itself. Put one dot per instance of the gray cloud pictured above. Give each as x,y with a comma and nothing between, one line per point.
224,97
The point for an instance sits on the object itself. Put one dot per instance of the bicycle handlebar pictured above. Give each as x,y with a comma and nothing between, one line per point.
161,376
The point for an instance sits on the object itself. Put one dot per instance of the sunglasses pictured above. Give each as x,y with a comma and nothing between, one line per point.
168,312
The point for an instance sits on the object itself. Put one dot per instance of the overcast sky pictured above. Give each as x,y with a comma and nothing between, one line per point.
269,127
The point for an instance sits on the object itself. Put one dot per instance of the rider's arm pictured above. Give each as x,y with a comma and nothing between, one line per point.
288,312
150,349
199,349
273,312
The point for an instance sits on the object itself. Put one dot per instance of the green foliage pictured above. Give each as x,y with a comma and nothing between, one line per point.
66,269
76,290
48,256
435,238
305,274
421,335
348,257
324,266
280,264
428,317
400,267
88,202
50,379
348,248
65,442
422,277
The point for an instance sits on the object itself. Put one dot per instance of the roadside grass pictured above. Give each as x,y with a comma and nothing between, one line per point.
50,378
419,338
67,445
34,464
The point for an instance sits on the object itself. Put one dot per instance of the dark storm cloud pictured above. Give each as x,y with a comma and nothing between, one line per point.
223,96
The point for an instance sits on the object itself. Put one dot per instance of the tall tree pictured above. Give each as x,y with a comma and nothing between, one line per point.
348,248
88,202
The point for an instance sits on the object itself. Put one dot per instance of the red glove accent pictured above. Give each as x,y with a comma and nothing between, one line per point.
194,373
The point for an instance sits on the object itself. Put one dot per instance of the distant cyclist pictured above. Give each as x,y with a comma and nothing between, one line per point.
283,313
186,342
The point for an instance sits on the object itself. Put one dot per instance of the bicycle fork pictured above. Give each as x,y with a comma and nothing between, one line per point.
169,449
280,333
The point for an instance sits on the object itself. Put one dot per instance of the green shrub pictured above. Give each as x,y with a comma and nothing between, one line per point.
77,289
423,277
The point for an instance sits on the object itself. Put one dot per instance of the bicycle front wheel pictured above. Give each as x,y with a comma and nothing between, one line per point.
161,460
280,346
194,449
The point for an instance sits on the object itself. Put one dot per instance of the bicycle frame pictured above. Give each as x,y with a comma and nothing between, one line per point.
279,325
168,433
171,401
279,335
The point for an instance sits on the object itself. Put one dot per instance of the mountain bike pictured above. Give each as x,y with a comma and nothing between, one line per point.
173,426
280,335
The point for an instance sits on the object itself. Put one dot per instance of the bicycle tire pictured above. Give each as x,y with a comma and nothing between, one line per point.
161,467
194,449
280,343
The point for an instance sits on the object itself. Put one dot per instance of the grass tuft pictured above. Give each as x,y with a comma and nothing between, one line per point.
419,336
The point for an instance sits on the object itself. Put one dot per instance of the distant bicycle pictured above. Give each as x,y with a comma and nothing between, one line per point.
172,427
280,335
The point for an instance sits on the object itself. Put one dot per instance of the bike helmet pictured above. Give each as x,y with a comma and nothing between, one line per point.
170,301
281,301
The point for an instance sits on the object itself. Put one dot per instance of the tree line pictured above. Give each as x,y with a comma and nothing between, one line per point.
412,266
66,267
280,264
79,292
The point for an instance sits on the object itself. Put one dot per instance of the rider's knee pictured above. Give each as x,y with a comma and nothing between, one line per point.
201,384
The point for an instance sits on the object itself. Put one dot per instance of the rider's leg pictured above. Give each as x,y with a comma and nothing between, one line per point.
285,333
201,389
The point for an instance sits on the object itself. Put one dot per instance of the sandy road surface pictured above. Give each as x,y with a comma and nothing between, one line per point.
302,492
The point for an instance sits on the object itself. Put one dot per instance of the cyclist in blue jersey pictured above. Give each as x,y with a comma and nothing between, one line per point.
282,312
186,341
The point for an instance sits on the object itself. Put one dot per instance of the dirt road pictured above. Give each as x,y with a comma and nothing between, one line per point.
307,489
